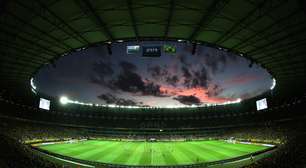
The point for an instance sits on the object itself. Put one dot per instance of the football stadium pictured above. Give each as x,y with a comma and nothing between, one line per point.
152,83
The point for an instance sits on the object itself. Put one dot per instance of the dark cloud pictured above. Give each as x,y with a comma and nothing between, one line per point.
202,77
127,80
153,90
111,99
217,61
158,72
212,62
172,80
155,71
186,73
198,78
130,82
102,70
187,76
188,100
183,61
127,66
96,79
214,90
195,82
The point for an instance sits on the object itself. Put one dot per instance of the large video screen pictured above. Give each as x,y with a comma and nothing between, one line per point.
44,104
132,49
261,104
151,51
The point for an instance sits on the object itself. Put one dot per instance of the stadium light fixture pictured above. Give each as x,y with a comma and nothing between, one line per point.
33,87
64,54
64,100
273,84
33,84
231,102
33,90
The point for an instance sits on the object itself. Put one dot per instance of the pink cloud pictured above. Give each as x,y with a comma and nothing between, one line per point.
199,92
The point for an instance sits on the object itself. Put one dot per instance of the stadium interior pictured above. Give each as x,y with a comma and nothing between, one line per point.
265,130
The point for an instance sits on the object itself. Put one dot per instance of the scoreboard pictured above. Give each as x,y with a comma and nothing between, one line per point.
44,104
151,51
261,104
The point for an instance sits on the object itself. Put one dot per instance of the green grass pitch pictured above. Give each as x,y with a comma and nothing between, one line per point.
152,153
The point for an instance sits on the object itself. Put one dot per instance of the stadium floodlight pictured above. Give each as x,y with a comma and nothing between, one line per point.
230,102
33,90
64,100
273,84
64,54
33,84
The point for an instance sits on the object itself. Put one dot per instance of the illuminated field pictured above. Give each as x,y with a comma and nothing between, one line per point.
152,153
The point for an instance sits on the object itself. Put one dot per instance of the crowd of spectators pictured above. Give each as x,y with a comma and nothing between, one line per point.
290,155
287,135
16,155
164,118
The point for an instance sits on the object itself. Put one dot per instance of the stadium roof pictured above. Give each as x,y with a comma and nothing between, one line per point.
37,32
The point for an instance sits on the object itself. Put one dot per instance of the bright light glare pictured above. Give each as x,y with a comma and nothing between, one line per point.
64,100
44,104
261,104
33,84
273,84
232,102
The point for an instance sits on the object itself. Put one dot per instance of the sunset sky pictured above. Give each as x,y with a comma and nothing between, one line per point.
209,76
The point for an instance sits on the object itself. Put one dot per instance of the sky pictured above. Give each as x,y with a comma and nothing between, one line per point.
210,76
